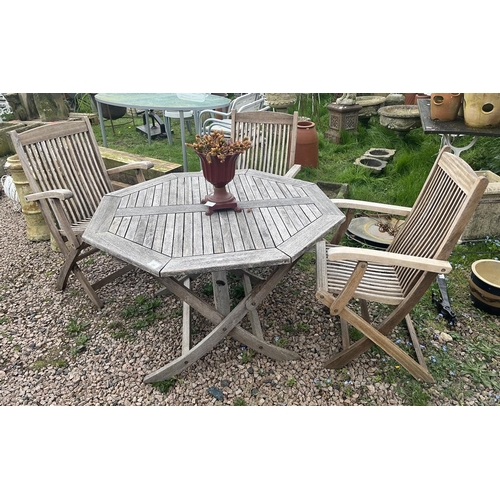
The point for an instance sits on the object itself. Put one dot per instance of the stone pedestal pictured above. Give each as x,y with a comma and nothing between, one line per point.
342,118
36,227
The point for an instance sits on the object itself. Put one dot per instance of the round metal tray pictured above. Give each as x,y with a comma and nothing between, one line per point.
366,230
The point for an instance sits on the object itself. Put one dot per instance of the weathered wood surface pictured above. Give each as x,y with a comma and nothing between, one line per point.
161,225
67,176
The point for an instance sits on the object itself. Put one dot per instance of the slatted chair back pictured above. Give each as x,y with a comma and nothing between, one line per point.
439,215
273,136
65,155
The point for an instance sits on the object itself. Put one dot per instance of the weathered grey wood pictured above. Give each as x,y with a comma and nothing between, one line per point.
186,321
66,174
274,140
221,292
253,316
161,227
225,325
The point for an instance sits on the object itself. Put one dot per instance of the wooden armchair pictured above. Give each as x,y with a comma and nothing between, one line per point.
401,275
68,178
274,140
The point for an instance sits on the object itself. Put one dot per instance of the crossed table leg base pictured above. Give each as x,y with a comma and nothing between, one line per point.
225,325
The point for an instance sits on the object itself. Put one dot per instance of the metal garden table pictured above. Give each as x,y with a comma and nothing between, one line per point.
162,227
164,102
452,129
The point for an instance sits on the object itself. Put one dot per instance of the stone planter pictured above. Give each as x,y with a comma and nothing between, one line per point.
400,118
381,153
369,105
486,218
371,163
481,110
280,102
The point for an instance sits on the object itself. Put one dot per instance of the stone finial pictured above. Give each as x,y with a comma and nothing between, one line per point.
346,99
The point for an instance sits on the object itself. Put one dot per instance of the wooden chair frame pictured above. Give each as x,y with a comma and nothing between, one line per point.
400,275
68,178
274,141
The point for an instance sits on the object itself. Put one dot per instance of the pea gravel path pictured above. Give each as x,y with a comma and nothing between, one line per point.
41,362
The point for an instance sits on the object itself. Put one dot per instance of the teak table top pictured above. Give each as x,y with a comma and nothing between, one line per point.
160,225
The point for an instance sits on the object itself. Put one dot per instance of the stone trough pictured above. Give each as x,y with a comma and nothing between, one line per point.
371,163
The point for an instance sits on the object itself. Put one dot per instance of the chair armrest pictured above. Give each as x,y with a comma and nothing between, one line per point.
371,206
293,170
389,258
60,194
211,122
142,165
213,112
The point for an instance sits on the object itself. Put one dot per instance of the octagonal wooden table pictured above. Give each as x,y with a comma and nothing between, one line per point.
162,227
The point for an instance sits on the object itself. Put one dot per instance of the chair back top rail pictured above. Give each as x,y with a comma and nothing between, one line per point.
65,155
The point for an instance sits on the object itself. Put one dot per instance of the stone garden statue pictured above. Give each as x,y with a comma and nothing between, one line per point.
346,99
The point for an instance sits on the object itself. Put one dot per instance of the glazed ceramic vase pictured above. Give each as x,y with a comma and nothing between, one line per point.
306,150
482,110
219,174
445,107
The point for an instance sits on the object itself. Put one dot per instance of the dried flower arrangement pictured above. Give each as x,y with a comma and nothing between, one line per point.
216,145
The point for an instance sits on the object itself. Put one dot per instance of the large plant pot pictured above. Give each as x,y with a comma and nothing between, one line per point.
400,118
219,174
444,107
481,110
484,285
306,151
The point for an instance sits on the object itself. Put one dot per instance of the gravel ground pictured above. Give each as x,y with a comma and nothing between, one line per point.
57,349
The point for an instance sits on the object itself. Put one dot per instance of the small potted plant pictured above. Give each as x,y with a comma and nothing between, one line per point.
218,157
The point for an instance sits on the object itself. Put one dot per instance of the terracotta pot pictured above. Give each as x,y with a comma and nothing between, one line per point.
444,107
410,99
307,149
219,174
481,110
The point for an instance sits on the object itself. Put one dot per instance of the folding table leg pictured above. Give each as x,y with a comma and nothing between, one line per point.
186,321
228,325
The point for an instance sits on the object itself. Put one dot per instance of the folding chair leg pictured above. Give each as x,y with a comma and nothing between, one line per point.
418,371
70,259
345,333
415,341
87,287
